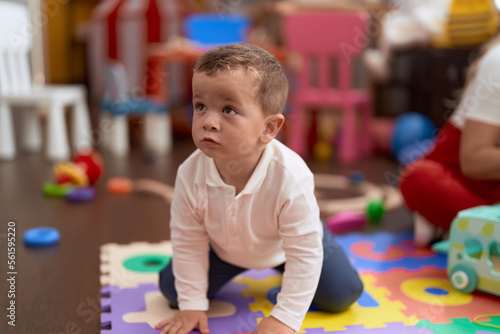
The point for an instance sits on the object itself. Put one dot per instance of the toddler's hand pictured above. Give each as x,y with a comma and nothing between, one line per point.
272,325
183,322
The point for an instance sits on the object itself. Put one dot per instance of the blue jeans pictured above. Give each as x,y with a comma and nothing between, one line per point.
338,288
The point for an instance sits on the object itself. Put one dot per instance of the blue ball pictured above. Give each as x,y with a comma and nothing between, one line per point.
411,128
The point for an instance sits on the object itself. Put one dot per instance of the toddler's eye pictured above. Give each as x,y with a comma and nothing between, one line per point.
200,107
229,111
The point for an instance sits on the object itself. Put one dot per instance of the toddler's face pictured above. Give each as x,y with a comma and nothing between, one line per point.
227,120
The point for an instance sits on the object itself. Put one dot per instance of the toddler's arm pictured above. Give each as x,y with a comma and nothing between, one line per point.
191,247
479,153
301,230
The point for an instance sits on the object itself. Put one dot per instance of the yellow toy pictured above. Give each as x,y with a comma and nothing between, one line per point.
70,172
468,23
322,151
440,23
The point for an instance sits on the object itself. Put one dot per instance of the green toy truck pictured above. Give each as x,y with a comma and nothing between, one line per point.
474,250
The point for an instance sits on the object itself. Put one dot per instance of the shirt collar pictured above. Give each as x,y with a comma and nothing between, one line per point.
214,179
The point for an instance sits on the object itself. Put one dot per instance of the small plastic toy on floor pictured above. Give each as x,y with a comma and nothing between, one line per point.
74,180
41,236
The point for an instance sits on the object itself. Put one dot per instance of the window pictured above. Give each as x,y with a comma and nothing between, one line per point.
494,256
473,249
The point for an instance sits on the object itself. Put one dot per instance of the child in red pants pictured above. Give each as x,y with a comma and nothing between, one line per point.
463,169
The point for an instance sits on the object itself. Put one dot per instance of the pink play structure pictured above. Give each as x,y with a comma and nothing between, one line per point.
339,35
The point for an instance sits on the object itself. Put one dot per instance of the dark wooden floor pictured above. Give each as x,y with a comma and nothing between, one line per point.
57,288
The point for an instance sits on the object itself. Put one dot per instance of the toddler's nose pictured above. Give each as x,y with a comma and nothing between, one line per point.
211,123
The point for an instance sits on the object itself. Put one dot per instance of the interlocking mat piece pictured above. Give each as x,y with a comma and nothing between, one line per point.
383,251
406,292
428,294
393,328
369,315
460,326
132,264
137,309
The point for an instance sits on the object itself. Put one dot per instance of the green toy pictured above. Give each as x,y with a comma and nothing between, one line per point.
474,250
375,210
51,189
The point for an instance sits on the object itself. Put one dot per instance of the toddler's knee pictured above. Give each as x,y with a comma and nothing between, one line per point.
415,173
349,299
343,299
418,181
411,174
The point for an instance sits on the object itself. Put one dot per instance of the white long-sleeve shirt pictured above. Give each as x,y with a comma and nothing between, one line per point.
274,219
481,99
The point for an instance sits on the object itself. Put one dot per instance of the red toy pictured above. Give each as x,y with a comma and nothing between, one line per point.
91,162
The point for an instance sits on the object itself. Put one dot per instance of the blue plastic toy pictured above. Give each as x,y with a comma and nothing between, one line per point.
216,29
356,177
409,129
41,236
78,195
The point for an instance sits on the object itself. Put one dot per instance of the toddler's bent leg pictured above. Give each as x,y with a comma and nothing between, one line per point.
220,273
436,192
339,284
167,285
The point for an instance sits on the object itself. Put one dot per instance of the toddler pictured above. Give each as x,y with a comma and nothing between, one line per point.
243,201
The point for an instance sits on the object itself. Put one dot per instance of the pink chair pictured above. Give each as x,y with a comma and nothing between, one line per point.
339,35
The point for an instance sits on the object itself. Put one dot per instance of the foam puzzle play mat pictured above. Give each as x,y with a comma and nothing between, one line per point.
407,291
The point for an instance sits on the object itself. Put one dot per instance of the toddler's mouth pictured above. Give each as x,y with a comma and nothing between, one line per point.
209,141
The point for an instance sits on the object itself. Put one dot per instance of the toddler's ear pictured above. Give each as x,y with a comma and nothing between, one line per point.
272,125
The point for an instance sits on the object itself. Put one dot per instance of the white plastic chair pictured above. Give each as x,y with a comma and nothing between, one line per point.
16,90
118,105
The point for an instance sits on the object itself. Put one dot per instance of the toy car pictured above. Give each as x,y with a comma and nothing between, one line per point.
474,250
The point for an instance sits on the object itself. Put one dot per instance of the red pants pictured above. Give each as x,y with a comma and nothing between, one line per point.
435,187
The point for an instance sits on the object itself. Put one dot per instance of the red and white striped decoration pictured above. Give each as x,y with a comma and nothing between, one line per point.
121,30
